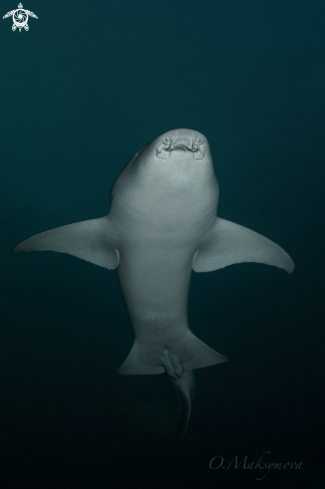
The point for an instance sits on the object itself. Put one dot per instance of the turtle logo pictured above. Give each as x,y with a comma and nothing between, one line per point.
20,18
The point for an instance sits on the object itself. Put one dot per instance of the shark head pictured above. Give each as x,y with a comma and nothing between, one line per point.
180,155
170,177
178,146
173,170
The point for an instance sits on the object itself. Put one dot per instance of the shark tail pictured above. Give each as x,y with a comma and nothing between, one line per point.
185,391
169,416
178,359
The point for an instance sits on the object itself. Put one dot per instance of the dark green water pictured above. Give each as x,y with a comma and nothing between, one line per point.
81,92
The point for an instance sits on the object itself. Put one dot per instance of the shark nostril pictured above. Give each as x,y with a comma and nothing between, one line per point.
162,152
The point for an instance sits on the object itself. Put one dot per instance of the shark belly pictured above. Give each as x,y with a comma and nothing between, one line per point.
155,284
155,278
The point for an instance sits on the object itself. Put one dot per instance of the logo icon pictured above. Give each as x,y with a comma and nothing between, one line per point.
20,18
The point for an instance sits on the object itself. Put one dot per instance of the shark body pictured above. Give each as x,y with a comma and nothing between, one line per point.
163,224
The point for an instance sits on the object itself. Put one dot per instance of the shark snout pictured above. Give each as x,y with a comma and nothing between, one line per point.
191,143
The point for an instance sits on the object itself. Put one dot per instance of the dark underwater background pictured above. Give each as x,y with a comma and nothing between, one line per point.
81,92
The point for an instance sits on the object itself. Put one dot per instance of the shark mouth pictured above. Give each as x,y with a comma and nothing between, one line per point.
166,147
182,147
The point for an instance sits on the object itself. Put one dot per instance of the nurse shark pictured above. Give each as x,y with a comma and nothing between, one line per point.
162,224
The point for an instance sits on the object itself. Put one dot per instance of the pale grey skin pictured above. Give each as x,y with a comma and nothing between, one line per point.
162,224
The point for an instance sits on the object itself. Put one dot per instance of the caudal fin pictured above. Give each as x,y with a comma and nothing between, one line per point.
169,417
185,391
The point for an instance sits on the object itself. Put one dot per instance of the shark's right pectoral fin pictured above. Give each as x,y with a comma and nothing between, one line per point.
230,243
88,240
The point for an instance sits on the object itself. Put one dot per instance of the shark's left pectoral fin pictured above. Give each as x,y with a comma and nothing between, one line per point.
231,243
88,240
